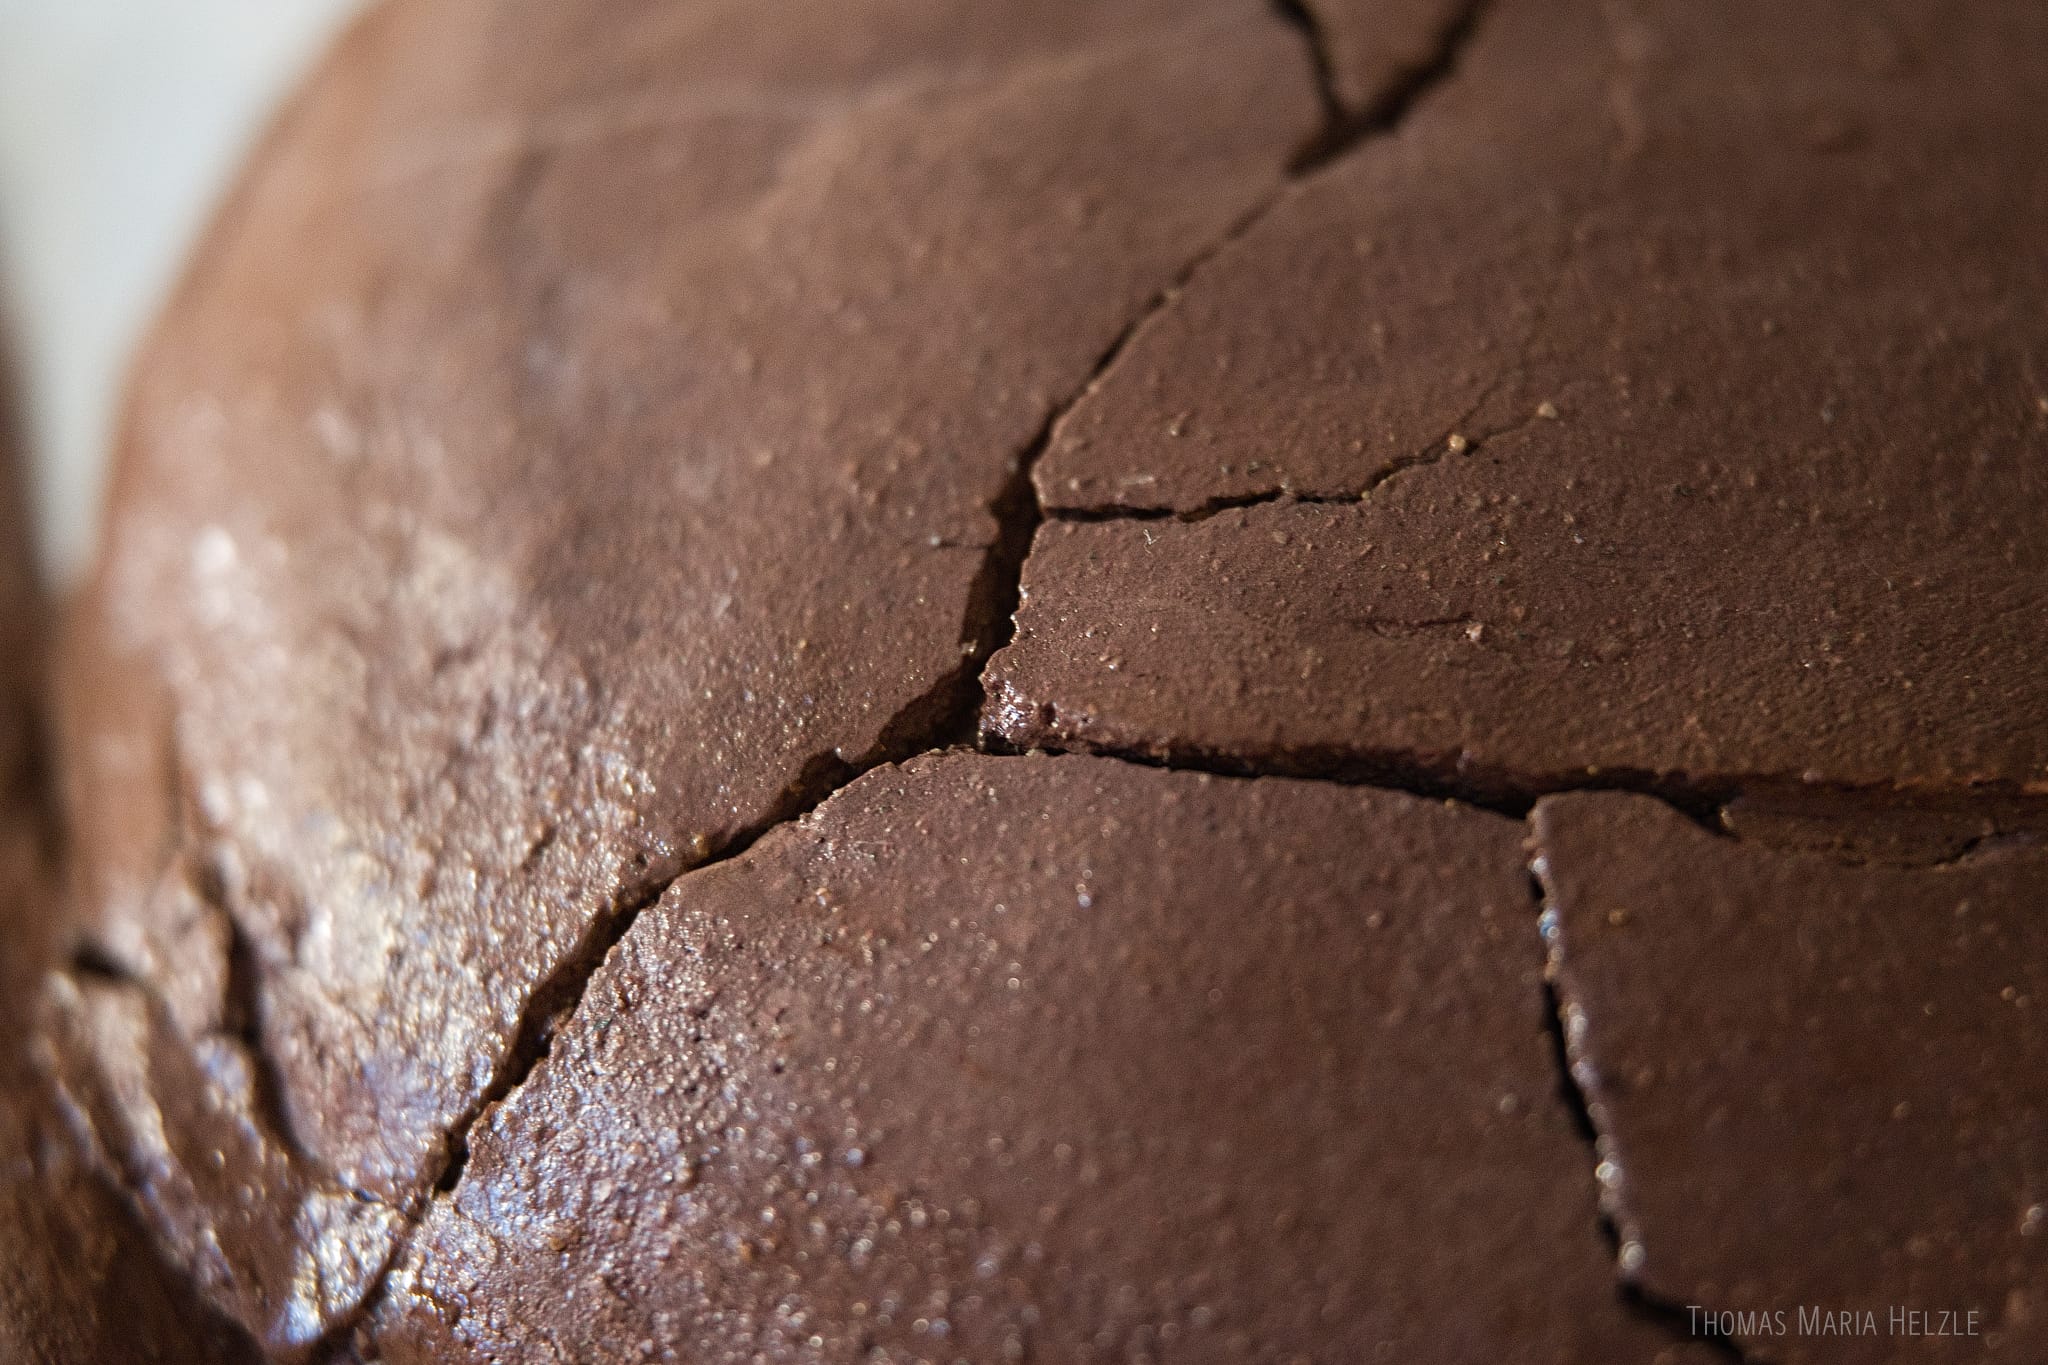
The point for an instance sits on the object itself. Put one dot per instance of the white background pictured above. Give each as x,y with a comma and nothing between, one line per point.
120,121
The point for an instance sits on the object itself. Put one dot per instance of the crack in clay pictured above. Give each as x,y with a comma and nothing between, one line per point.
1344,129
1566,1027
243,1021
1431,777
1018,510
1513,793
240,1027
947,714
555,1000
1454,440
89,962
241,1004
118,1176
1304,20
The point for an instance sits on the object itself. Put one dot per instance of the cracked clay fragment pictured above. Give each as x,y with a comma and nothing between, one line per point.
1394,639
1048,1059
449,601
80,1280
1816,1086
1880,827
1681,410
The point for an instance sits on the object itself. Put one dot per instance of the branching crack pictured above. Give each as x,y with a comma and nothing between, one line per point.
1345,128
1454,442
946,716
1452,776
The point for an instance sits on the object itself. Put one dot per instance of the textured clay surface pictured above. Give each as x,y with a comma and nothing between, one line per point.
79,1279
1059,1059
560,461
1661,398
597,432
1815,1085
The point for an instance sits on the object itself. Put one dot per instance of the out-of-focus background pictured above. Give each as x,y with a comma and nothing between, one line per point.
120,123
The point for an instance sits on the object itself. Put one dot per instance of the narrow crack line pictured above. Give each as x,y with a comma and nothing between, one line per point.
117,1172
242,1008
1431,777
1454,441
1342,132
1018,509
1703,801
1203,511
1459,439
1573,1094
241,1025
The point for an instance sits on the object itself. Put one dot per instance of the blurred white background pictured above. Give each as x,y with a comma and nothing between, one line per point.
120,122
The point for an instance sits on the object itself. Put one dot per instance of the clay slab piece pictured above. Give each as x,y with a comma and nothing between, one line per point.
1815,1085
449,603
1880,829
1047,1059
1659,397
